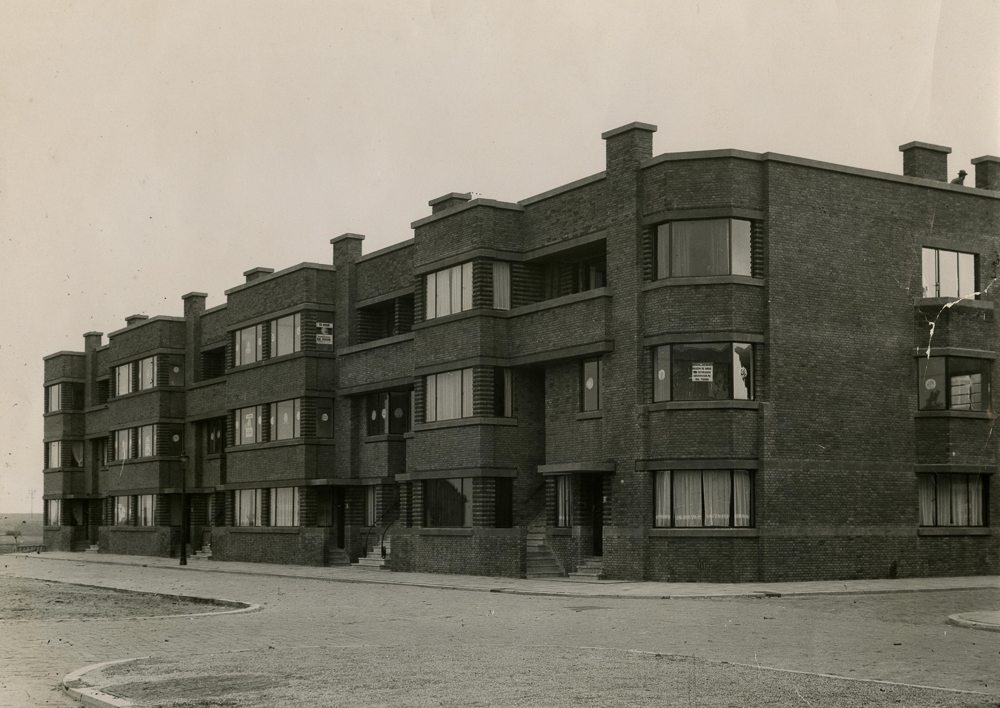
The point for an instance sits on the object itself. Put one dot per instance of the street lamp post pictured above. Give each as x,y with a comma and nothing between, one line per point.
184,510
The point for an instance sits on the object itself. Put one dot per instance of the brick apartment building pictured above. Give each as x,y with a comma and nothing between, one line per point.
703,366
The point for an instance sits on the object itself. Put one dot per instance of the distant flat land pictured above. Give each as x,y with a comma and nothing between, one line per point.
29,525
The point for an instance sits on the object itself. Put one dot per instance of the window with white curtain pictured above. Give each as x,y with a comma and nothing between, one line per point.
703,498
147,441
53,454
564,500
449,395
147,373
702,248
122,440
146,507
448,291
247,507
501,285
53,510
53,398
123,511
284,506
123,379
952,499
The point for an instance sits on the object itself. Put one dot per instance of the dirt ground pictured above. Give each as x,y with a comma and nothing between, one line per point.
28,599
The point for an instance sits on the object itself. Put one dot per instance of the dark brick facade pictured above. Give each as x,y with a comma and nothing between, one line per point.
831,441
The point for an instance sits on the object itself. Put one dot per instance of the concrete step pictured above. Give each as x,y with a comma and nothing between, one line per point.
554,574
372,562
92,549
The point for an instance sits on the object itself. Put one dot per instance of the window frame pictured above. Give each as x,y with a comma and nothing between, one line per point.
935,253
275,411
53,446
123,378
431,290
143,451
276,515
258,425
324,428
432,397
257,331
985,392
667,262
146,365
665,389
126,435
53,507
53,398
145,510
564,500
122,503
590,402
215,436
503,392
445,516
296,334
659,516
247,506
984,500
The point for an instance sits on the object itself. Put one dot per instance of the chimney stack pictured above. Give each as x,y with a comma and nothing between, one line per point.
254,273
135,319
987,172
925,160
448,201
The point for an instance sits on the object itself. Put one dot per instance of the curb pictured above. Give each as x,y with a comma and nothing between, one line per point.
73,685
959,621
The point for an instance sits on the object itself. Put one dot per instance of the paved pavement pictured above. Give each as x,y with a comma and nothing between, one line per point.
887,630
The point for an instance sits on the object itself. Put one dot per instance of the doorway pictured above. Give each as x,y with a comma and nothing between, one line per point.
593,493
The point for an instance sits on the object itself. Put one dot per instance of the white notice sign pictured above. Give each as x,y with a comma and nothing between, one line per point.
324,325
701,372
324,339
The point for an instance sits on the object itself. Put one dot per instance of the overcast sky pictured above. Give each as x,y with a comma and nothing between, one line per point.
148,149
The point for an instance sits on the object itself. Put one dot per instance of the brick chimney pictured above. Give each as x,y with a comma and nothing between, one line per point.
133,320
627,146
987,172
448,201
254,273
925,160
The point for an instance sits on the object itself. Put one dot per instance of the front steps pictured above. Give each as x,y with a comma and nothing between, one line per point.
588,570
541,561
374,560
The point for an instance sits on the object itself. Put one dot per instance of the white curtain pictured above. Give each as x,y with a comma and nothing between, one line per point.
466,286
430,405
925,491
78,453
121,510
430,301
687,498
959,500
284,506
663,498
741,498
976,500
943,500
501,285
718,491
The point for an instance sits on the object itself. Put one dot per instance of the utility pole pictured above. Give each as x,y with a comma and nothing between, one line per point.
184,510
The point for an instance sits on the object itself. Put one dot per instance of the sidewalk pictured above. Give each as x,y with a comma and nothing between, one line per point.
559,587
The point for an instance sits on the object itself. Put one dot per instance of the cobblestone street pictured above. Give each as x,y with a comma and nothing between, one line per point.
898,637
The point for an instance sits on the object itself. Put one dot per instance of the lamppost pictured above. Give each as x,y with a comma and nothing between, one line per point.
184,510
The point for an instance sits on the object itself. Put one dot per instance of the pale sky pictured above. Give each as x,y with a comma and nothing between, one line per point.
148,149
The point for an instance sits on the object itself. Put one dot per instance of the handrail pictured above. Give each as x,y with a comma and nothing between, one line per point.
380,518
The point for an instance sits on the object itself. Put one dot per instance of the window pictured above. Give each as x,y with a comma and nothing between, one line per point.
324,418
501,285
700,248
247,507
147,373
590,385
215,434
53,512
102,451
503,510
712,498
53,454
147,441
284,506
123,443
948,273
449,291
249,425
286,335
503,392
448,502
370,506
953,383
248,345
123,379
76,453
952,499
564,500
175,371
145,508
388,412
449,395
575,276
53,400
213,363
103,391
703,372
123,511
285,420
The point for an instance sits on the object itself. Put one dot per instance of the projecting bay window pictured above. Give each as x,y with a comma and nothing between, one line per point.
703,498
448,291
248,345
953,383
286,335
948,273
703,372
285,420
564,500
284,506
449,395
249,424
53,512
247,504
703,248
144,509
448,502
953,499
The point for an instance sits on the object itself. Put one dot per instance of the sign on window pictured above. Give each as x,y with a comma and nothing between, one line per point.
701,372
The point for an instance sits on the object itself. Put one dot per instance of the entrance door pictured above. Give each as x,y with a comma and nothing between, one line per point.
595,500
